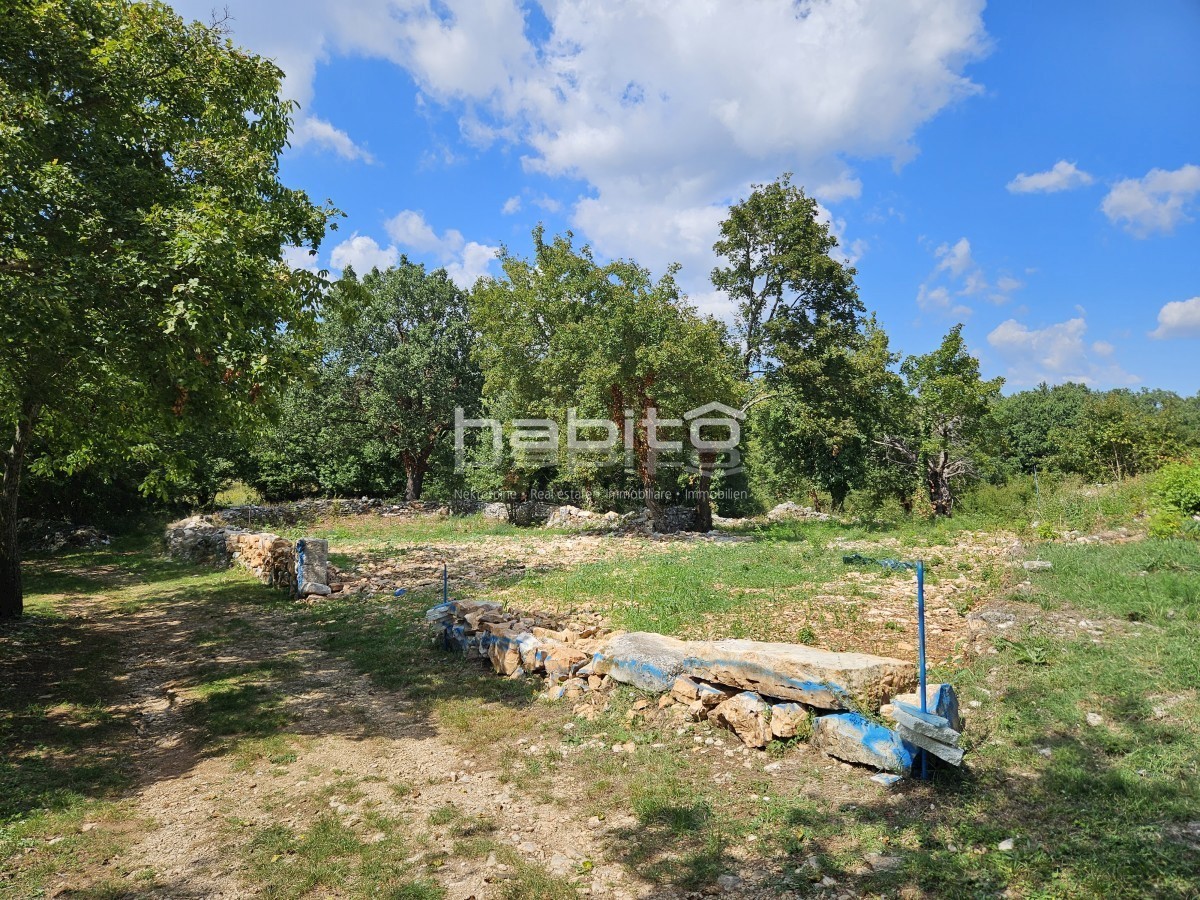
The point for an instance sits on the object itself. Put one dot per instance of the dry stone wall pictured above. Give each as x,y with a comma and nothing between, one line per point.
300,567
759,691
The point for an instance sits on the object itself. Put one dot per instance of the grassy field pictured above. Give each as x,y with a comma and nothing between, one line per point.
1083,736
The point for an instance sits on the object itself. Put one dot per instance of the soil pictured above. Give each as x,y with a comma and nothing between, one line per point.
192,803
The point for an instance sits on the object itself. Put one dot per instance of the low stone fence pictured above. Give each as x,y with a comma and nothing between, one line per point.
301,511
299,567
760,691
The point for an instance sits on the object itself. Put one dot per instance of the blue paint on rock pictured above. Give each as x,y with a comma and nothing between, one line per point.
855,738
823,695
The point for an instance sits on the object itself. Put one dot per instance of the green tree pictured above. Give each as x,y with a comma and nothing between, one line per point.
561,331
403,352
834,398
780,273
142,284
948,426
1028,419
1115,437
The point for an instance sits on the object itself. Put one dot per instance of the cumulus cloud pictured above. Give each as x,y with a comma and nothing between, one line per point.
464,261
1155,203
511,205
363,254
1178,319
471,264
1063,176
1055,353
955,259
956,274
606,88
310,130
408,228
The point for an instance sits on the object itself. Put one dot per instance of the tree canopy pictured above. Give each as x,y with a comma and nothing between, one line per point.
142,284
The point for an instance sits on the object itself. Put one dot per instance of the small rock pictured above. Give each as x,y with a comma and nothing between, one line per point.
1006,845
1094,719
884,863
729,882
748,716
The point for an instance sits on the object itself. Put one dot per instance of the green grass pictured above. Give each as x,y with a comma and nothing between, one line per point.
672,591
1103,814
376,530
328,857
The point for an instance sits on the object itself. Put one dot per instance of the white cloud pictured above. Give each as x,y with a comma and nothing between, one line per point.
464,261
1157,202
409,229
1055,354
300,258
1179,319
363,254
957,259
645,103
511,205
1063,176
957,274
311,130
549,204
472,264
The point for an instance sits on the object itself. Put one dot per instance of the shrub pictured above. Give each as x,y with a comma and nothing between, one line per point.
1177,486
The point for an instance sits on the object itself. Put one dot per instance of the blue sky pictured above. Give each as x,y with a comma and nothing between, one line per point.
1030,169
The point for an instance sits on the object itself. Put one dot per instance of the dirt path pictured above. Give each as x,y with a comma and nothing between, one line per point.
355,752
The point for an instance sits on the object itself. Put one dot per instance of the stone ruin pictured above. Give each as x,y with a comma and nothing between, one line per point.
760,691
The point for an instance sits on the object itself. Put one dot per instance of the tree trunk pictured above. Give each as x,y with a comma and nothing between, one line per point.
704,512
838,491
646,472
11,595
414,473
940,494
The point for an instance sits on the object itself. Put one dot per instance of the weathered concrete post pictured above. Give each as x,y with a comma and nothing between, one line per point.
312,565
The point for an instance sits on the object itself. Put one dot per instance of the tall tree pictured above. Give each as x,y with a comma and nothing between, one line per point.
1116,436
1028,419
562,331
949,426
832,401
779,270
403,352
142,282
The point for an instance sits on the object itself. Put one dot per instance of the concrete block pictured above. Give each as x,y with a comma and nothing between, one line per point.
928,724
952,755
940,699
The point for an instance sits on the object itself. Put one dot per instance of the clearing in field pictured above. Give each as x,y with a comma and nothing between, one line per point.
192,733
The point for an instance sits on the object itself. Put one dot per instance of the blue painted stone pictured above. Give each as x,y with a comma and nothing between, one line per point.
647,661
940,699
855,738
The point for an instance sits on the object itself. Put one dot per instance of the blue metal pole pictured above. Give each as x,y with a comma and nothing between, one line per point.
445,583
921,653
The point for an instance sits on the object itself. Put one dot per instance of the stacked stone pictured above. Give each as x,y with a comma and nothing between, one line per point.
518,644
272,559
760,691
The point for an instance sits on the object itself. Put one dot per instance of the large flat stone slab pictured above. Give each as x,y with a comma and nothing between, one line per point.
855,738
819,678
643,659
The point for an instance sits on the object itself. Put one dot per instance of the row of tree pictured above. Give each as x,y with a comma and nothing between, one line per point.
154,342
